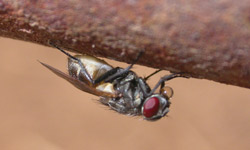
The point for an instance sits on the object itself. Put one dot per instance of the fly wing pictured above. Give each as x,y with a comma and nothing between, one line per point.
79,84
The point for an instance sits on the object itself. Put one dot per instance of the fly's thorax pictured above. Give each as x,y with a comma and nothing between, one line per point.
132,96
95,67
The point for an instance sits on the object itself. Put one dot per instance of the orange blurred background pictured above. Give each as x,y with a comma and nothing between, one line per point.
39,110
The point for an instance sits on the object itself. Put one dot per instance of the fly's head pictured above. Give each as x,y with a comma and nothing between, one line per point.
156,106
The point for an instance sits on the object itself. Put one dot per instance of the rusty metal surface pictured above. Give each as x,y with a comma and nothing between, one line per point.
206,39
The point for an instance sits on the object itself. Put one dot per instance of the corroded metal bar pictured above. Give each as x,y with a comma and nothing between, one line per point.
205,39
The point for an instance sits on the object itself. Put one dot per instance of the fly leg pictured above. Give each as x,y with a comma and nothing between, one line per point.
146,78
106,75
164,79
116,72
112,77
161,83
83,69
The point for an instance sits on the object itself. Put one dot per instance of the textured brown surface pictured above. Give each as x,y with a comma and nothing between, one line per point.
206,39
40,111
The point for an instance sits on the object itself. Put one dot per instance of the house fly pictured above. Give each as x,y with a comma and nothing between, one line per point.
119,88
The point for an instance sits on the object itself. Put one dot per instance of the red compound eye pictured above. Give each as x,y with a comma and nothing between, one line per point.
151,107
